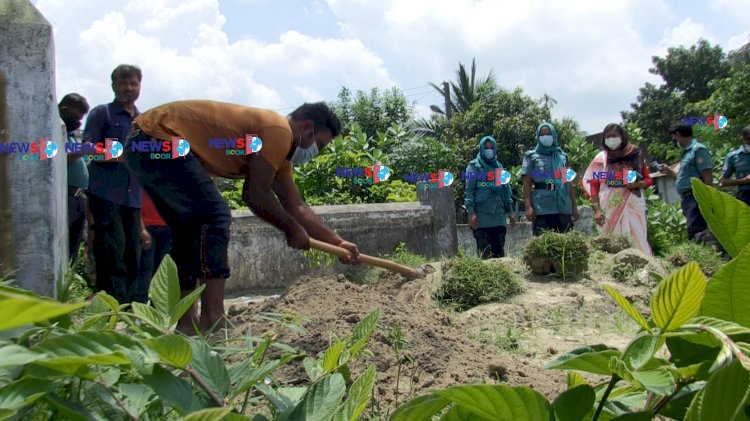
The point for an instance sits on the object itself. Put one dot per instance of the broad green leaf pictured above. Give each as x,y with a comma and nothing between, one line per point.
640,350
18,310
362,332
173,390
331,356
459,413
635,416
591,359
725,396
678,405
256,375
184,304
693,412
14,355
322,400
69,410
726,327
625,305
679,297
693,349
69,351
211,414
728,292
727,218
659,381
135,396
153,316
165,286
172,349
575,379
360,394
574,404
422,408
312,370
500,402
24,392
283,398
209,365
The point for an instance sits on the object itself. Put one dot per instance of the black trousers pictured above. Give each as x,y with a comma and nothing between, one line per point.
76,221
161,244
117,247
490,242
556,222
694,219
744,196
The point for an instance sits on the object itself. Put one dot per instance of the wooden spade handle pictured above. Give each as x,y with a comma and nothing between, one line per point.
370,260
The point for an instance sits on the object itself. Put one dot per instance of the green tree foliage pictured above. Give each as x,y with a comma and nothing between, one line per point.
467,89
374,112
688,71
654,111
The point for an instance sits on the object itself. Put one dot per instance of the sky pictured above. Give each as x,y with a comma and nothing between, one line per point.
591,56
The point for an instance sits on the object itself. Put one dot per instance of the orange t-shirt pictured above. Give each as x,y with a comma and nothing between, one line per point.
197,121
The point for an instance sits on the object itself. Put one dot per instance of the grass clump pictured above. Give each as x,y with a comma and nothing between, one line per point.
403,256
707,257
611,242
470,281
564,254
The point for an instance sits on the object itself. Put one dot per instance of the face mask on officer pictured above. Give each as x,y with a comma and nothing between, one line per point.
546,140
489,154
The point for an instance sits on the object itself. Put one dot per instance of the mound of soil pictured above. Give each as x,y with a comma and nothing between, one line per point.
508,342
437,340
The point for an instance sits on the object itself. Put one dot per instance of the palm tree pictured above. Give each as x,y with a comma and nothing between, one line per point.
467,90
547,101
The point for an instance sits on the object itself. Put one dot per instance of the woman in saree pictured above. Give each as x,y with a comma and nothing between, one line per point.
615,180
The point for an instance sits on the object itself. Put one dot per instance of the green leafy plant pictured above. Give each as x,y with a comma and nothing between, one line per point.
665,224
707,257
702,326
564,254
98,361
469,281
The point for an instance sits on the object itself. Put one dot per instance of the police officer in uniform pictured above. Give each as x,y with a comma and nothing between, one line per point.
550,199
695,163
488,204
738,163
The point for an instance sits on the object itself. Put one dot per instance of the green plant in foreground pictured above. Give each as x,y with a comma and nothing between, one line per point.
470,281
566,253
703,326
97,361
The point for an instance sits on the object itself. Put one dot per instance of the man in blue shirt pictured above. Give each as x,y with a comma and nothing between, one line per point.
695,163
738,164
114,194
72,108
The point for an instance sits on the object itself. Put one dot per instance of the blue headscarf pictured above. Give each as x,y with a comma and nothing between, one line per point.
554,150
489,165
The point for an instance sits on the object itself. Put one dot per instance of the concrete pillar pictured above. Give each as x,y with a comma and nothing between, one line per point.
444,214
38,188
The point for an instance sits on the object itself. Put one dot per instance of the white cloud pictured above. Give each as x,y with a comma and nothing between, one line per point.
687,33
738,41
184,52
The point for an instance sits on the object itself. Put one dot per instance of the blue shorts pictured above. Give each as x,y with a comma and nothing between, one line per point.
191,205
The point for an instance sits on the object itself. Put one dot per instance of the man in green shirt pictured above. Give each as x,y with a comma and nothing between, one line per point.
737,163
695,163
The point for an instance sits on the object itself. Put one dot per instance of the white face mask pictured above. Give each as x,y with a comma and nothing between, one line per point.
302,155
613,142
546,140
489,153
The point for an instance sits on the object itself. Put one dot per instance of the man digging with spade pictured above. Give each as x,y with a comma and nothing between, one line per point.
184,194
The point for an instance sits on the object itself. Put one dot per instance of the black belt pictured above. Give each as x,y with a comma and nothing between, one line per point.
544,186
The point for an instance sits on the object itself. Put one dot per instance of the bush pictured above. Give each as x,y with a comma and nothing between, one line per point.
707,257
469,281
565,254
665,224
611,242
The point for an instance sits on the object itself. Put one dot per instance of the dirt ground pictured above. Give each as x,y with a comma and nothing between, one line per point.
507,342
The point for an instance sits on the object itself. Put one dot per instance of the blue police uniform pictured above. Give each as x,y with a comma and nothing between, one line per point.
737,163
